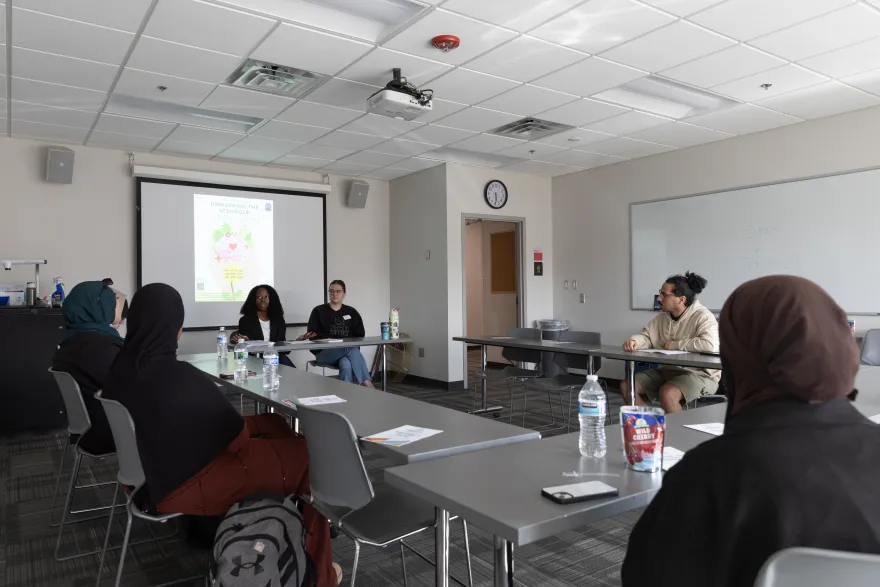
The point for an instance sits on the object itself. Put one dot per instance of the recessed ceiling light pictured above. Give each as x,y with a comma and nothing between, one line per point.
275,79
665,97
177,113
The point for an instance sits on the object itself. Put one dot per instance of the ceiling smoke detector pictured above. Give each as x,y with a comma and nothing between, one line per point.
529,129
275,79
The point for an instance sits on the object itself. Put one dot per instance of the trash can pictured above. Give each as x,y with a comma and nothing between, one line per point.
550,329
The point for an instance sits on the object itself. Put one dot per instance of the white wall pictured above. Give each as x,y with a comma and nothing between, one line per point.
499,311
591,209
474,278
87,229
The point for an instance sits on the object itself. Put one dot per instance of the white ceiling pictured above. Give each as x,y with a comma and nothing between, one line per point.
61,61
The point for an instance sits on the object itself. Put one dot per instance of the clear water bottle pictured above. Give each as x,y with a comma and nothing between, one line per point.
240,353
222,344
592,407
270,368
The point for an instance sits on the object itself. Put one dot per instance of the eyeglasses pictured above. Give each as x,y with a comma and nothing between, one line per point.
335,291
667,294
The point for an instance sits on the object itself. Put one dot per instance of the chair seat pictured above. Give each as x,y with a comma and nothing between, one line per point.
391,515
508,373
558,382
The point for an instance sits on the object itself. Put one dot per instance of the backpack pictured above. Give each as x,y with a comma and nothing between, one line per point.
261,543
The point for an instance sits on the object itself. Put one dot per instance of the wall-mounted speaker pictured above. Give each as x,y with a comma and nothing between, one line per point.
59,165
357,194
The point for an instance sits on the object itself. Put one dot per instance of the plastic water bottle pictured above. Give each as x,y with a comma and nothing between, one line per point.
270,368
240,353
592,407
222,344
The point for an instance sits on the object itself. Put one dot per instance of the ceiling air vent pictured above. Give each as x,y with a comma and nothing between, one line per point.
275,79
529,129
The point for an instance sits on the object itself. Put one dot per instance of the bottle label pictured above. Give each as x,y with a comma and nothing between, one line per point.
241,355
267,361
221,340
592,408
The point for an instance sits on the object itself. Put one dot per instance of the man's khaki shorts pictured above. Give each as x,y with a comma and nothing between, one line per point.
691,384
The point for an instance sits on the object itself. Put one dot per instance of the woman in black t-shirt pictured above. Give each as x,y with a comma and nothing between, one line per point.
336,320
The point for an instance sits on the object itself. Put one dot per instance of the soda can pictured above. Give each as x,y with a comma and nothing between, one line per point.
643,429
386,331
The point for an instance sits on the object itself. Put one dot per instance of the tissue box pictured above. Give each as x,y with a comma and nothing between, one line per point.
15,294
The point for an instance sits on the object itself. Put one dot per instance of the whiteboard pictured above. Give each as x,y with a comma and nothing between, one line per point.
825,229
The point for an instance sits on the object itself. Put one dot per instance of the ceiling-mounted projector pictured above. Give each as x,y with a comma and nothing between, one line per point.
400,99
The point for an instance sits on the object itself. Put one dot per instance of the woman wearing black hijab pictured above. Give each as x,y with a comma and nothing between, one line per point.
797,464
199,456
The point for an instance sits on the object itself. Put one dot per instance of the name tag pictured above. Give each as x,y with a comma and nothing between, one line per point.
346,317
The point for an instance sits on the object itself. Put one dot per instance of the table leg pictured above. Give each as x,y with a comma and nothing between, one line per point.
632,382
503,563
484,394
384,367
441,547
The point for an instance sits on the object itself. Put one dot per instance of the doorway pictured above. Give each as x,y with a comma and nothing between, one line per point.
492,281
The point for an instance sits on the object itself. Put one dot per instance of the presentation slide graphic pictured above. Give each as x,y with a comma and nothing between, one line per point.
234,239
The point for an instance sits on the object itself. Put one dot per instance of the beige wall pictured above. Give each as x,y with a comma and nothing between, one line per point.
87,229
591,209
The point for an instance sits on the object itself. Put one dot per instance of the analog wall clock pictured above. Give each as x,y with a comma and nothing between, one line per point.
495,194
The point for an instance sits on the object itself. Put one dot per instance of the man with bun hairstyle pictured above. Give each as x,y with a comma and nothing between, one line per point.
684,325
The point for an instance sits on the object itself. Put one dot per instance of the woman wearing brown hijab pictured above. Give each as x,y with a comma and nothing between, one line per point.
797,464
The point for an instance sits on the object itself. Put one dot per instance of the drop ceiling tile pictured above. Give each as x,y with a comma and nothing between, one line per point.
668,47
629,122
682,7
370,158
349,140
308,49
36,92
418,164
542,168
51,115
204,136
301,162
784,79
184,148
469,87
223,29
124,16
183,61
343,94
287,131
527,100
743,119
375,68
318,115
727,65
258,149
441,109
519,15
531,150
348,168
314,151
41,32
403,148
589,77
145,84
832,31
574,138
823,100
581,159
868,81
35,130
581,112
58,69
525,59
746,19
847,61
117,141
381,126
387,173
476,37
628,148
680,134
487,143
478,119
601,24
437,135
246,102
111,123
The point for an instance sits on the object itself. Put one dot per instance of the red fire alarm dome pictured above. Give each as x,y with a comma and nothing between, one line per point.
446,43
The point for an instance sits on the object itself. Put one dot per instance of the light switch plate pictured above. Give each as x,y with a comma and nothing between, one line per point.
565,284
583,298
574,284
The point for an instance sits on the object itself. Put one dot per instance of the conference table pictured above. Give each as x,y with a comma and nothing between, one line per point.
319,345
371,411
695,360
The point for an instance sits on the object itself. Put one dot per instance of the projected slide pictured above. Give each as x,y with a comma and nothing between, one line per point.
233,246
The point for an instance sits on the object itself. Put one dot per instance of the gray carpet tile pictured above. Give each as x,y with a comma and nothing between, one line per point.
589,556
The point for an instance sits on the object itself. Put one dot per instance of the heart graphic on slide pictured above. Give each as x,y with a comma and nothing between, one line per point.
233,246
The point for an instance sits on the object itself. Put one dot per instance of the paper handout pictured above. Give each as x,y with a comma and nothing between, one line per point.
713,428
402,435
671,456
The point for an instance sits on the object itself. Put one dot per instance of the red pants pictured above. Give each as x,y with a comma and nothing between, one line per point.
276,464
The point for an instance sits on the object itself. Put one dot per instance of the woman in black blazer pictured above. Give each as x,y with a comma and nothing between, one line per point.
262,318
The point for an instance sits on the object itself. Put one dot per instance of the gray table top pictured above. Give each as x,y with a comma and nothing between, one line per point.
372,411
530,344
308,345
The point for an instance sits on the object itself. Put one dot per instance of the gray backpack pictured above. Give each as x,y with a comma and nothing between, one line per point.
261,543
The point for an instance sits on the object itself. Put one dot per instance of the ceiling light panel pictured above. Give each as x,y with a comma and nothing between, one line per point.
180,114
665,98
525,59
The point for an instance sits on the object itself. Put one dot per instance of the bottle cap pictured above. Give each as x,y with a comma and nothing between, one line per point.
592,378
222,328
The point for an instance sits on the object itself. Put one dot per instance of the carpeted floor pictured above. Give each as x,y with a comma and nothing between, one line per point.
28,465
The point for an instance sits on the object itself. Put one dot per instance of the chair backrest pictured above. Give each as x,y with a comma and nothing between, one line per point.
337,473
814,567
522,355
131,472
78,421
871,347
578,361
